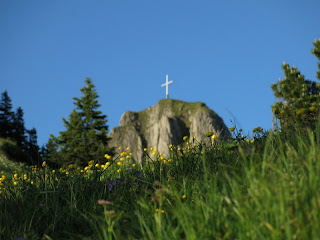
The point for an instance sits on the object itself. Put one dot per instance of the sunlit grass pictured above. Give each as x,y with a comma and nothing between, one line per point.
266,187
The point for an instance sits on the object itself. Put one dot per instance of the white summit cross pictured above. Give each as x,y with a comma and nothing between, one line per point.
167,88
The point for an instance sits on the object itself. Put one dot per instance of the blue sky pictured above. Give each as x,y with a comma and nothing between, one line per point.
224,53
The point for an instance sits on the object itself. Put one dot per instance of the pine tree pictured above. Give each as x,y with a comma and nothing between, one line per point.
316,52
19,129
299,99
74,149
32,147
6,116
85,137
50,153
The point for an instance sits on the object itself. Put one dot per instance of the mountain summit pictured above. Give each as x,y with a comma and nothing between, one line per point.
166,123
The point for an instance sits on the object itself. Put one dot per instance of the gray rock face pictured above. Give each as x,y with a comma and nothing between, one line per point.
163,124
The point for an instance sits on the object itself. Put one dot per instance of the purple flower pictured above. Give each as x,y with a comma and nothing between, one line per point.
111,185
138,175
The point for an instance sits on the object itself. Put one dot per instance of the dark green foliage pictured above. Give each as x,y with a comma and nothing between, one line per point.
32,147
299,103
19,129
316,52
12,127
85,137
6,116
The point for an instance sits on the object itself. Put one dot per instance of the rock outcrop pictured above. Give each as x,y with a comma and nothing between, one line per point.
165,123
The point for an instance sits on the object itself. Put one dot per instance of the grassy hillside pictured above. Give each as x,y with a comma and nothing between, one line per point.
261,188
10,156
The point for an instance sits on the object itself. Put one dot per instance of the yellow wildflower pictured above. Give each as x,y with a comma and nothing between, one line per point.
185,138
232,129
44,164
183,196
15,183
70,166
312,108
209,134
300,111
133,165
214,137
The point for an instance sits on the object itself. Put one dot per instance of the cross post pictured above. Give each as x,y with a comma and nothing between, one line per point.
167,84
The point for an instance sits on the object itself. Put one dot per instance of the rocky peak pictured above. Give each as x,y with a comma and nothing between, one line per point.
165,123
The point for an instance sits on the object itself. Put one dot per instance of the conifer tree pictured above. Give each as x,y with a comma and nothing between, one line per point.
19,129
299,99
31,145
85,137
6,116
316,52
50,153
12,127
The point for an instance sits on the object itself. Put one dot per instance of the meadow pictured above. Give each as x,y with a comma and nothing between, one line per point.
266,187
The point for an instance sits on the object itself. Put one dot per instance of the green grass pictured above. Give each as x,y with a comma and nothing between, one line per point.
268,189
